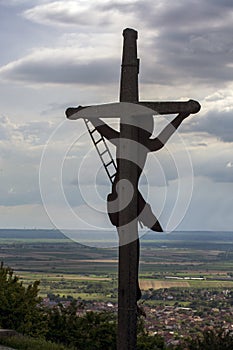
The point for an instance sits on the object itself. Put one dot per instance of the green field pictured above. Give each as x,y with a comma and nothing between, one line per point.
69,268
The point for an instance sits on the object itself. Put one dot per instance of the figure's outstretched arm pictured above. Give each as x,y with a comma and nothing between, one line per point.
158,142
105,130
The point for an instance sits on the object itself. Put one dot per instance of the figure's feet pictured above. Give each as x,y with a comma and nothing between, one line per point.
149,219
156,227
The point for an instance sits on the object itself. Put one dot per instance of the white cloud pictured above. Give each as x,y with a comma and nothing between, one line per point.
62,66
77,13
215,123
229,165
20,152
216,96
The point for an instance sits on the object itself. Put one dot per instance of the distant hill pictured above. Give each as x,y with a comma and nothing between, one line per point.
30,234
205,239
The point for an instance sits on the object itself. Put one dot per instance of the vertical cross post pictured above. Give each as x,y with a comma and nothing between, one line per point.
126,180
128,234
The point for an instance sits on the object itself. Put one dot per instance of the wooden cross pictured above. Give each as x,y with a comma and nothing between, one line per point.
127,225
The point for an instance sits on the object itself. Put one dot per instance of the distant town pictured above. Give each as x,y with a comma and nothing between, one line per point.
163,314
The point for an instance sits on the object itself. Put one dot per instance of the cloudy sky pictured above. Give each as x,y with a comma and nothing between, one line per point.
56,54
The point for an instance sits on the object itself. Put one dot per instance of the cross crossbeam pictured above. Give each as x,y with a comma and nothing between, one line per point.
142,108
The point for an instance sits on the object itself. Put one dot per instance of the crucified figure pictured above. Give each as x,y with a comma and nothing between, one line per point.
144,212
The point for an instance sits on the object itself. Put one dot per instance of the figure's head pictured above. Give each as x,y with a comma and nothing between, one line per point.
145,123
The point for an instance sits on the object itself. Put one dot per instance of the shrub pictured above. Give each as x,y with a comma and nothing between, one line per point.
27,343
19,308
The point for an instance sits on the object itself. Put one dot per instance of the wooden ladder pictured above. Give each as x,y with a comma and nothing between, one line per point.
102,150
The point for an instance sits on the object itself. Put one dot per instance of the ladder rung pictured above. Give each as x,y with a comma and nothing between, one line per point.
92,131
96,142
105,151
106,165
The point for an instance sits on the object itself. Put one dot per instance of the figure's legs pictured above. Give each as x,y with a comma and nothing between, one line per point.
146,216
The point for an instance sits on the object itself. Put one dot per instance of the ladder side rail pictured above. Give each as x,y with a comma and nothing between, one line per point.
111,176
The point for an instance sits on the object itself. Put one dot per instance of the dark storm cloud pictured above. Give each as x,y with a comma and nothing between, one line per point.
192,14
59,70
205,57
215,123
192,40
188,41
